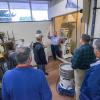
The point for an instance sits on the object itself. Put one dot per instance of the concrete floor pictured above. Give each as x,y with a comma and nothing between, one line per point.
53,70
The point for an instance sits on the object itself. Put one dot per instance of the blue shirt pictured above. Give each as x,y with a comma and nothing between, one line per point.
54,40
25,84
90,89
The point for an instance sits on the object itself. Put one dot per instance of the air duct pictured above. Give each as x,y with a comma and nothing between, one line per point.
86,11
93,18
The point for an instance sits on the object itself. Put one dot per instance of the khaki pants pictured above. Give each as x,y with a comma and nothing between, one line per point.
79,77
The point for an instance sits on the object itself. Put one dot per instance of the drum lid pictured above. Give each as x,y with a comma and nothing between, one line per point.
66,66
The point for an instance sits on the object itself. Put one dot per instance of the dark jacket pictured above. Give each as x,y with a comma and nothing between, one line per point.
90,89
83,57
39,54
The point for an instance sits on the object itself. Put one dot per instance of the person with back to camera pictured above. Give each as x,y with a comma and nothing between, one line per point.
39,53
81,61
55,41
90,89
24,82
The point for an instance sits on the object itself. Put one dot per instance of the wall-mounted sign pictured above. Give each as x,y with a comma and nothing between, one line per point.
71,4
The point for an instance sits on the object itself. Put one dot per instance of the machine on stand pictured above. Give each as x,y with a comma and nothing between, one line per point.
66,48
7,53
66,33
5,45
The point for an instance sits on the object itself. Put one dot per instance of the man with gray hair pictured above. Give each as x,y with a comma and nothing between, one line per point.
90,89
24,82
39,53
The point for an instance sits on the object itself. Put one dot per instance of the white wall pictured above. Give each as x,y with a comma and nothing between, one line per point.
60,8
97,22
25,30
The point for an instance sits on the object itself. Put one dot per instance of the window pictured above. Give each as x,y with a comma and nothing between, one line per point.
39,15
5,16
14,11
21,11
40,11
